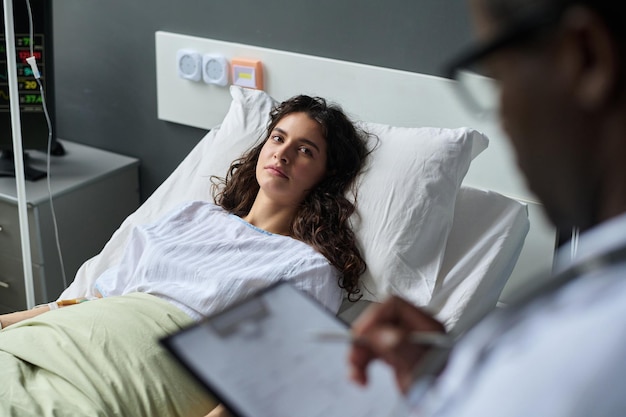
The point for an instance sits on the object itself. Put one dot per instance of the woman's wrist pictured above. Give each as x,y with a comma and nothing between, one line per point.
9,319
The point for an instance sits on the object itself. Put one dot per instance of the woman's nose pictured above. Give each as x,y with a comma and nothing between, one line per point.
282,155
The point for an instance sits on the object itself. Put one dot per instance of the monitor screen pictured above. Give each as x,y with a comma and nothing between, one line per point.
34,126
33,120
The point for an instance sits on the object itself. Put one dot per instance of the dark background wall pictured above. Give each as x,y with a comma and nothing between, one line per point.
105,74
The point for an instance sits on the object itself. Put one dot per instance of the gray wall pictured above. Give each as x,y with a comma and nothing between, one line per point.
105,59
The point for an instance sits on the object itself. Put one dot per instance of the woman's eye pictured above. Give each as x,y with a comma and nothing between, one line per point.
306,151
276,138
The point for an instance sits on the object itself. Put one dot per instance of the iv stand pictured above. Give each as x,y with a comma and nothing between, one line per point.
14,101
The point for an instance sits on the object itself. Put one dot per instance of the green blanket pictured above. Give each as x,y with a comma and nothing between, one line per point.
99,358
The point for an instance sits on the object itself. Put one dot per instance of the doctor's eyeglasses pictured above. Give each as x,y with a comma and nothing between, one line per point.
479,91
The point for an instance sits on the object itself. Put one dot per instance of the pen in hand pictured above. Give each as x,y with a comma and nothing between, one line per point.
419,338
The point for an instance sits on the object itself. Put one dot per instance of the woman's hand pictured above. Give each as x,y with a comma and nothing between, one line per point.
219,411
12,318
383,333
8,319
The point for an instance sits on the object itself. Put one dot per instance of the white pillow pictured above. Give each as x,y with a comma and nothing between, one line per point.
406,204
406,194
244,125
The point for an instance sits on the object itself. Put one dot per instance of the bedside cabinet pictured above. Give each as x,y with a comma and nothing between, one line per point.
93,191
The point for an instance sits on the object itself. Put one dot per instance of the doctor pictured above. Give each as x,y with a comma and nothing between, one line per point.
560,350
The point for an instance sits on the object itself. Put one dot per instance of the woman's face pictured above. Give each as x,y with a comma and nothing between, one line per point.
292,160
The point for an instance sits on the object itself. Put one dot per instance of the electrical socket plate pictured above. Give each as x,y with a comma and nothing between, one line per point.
215,69
189,64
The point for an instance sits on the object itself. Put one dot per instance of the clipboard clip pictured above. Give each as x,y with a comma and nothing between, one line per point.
243,318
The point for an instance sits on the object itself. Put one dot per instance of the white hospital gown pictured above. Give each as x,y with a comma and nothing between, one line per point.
201,259
563,355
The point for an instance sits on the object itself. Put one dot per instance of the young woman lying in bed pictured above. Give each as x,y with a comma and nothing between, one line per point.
280,213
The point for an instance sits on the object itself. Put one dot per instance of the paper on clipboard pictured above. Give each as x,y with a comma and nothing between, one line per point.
260,360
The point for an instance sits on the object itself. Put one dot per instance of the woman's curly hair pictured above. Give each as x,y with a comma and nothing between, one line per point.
323,219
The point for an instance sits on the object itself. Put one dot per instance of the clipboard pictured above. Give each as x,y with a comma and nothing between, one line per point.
260,358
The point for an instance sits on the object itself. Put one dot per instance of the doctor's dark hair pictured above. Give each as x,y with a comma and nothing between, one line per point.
610,11
508,13
323,219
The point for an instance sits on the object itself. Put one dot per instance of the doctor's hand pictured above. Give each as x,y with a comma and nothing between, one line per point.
382,332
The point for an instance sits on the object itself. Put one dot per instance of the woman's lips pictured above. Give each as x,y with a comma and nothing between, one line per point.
276,171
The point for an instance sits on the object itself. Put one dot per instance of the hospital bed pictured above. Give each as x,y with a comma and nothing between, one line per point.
433,225
404,232
443,217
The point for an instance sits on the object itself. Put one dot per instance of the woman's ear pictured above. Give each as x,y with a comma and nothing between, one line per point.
589,58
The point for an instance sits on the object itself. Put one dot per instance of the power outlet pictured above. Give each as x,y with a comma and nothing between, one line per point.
189,64
215,69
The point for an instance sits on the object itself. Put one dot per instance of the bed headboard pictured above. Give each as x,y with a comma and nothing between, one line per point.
367,93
